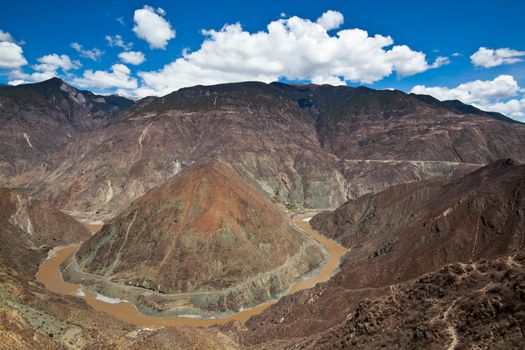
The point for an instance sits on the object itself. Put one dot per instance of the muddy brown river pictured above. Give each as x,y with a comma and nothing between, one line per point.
50,276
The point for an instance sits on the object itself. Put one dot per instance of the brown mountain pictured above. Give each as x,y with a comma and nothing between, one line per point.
38,119
204,232
431,264
479,215
406,232
474,305
311,146
29,227
33,318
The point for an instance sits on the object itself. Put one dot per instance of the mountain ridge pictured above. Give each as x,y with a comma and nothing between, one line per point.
301,145
204,232
404,241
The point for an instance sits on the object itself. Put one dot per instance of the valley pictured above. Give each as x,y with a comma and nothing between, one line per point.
49,275
258,216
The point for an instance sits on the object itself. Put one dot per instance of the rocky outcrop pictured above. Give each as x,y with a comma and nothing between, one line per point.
203,241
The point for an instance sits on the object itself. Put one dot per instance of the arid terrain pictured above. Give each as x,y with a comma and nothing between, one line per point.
204,240
195,196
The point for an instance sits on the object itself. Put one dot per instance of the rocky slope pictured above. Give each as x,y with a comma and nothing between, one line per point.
363,123
203,240
28,225
475,305
38,119
305,145
310,146
33,318
403,234
370,215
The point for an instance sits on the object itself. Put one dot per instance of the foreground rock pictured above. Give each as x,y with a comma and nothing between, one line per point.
475,305
203,241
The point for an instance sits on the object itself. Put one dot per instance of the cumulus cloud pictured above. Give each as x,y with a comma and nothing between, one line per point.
117,41
18,77
514,108
119,77
293,48
151,26
331,20
478,91
48,67
132,57
408,62
333,80
53,62
17,82
11,55
5,36
489,95
92,54
489,58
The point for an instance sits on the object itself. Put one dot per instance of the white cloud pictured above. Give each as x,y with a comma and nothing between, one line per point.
514,108
293,48
11,55
119,77
53,62
328,80
456,54
47,68
489,95
17,82
92,54
478,91
408,62
151,26
440,61
116,41
19,77
488,58
331,20
5,36
132,57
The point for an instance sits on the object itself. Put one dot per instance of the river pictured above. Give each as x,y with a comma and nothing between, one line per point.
50,276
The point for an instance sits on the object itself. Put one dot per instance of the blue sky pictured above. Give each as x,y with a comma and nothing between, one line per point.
452,30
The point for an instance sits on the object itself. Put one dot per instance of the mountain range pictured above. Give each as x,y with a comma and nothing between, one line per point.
195,192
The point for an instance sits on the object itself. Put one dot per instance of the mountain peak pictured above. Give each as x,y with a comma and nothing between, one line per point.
203,231
54,80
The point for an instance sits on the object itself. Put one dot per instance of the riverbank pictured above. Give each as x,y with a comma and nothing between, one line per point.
50,275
